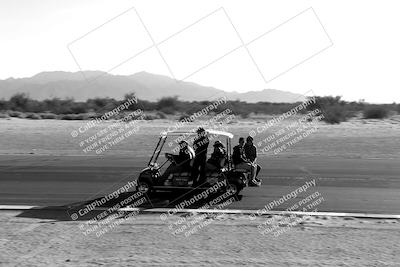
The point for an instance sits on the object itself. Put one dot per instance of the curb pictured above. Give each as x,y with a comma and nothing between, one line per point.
253,213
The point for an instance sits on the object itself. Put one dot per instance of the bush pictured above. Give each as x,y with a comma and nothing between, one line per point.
78,108
19,101
82,116
375,113
334,115
4,115
156,116
168,110
161,115
33,116
48,116
333,108
244,114
16,114
4,105
95,115
150,117
69,117
168,104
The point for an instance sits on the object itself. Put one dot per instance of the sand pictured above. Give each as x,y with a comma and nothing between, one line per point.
234,240
353,139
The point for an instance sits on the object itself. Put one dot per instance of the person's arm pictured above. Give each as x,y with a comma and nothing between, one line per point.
222,158
182,156
176,158
222,163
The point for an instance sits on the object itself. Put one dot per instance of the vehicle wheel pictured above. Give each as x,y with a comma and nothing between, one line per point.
144,187
233,188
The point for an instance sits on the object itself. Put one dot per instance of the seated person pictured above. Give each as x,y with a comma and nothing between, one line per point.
217,159
241,162
180,162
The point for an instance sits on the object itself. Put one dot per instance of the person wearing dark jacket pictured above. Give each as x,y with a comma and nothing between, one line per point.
218,157
250,152
238,155
200,146
241,162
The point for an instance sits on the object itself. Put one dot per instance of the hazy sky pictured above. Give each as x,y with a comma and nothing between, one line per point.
347,48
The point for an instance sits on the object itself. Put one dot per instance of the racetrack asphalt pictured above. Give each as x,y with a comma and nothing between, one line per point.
347,185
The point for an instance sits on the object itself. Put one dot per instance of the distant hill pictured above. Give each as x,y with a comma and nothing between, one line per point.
147,86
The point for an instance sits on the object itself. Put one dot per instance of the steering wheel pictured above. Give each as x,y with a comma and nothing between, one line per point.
170,157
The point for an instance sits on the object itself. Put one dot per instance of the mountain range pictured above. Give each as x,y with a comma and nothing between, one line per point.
147,86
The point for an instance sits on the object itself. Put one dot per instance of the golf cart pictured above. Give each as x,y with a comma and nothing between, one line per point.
149,178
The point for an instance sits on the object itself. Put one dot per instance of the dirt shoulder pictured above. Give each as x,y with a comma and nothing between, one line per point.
145,240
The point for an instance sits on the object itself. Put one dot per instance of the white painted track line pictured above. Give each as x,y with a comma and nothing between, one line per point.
18,207
247,212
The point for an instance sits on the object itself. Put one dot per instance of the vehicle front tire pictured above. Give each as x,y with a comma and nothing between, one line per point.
144,187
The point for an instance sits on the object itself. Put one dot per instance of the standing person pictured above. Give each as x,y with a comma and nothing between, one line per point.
241,162
250,152
200,146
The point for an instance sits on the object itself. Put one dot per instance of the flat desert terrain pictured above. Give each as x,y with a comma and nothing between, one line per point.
355,166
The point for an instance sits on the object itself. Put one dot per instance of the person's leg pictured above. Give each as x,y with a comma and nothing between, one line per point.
253,171
195,169
255,181
206,167
258,169
203,161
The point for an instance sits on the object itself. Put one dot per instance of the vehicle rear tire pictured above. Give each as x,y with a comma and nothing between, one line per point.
234,188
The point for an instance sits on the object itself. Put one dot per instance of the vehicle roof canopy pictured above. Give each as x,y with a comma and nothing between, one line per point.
210,131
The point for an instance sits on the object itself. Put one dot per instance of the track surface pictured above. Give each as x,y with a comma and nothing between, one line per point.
347,185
